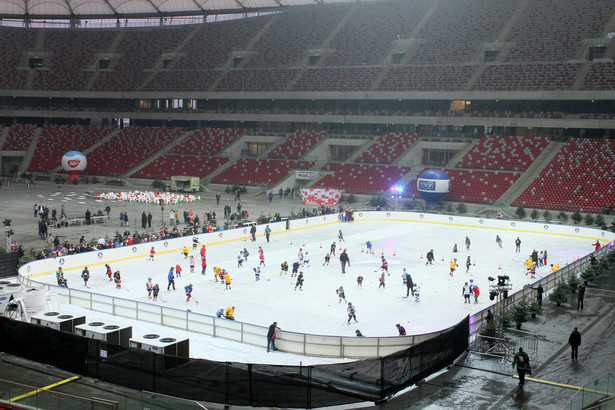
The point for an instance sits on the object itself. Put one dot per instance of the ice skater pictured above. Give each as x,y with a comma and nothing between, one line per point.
295,269
300,256
352,313
409,284
257,273
327,260
381,280
262,258
468,264
178,271
156,290
385,266
195,243
109,272
306,259
368,244
498,240
299,283
465,292
188,290
430,258
455,248
152,253
185,252
340,294
117,279
203,266
517,245
171,278
284,268
344,260
467,243
417,292
453,266
85,274
360,281
149,286
340,236
332,252
240,259
227,280
192,264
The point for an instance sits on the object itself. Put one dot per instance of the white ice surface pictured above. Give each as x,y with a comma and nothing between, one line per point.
316,309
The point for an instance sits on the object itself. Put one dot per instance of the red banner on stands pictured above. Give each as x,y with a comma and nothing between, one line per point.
321,196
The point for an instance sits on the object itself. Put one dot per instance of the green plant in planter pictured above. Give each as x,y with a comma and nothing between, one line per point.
560,294
490,329
506,319
576,217
547,215
519,313
590,273
534,214
603,265
573,283
534,308
562,216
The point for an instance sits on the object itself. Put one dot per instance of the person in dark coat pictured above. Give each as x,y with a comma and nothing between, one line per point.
574,341
253,232
522,361
409,283
344,259
580,296
539,291
143,220
271,337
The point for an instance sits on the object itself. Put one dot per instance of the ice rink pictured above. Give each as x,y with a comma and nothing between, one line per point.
316,308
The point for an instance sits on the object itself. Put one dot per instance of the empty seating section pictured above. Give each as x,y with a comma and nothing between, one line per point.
423,78
57,140
183,80
287,40
128,148
337,79
479,186
371,31
19,137
138,50
256,80
72,59
554,76
552,30
361,178
457,30
580,177
601,76
13,43
213,44
297,144
207,141
503,152
174,165
388,147
256,172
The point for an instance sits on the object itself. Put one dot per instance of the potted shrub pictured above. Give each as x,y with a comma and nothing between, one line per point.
519,313
534,308
560,294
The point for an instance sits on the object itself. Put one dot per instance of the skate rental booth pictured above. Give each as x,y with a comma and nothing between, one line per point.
385,365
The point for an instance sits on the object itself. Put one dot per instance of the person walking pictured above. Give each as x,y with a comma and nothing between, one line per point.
271,337
574,341
267,233
522,361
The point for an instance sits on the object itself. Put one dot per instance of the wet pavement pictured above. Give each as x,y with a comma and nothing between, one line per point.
489,384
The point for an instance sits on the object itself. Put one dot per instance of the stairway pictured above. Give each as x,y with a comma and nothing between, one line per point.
531,173
25,162
160,153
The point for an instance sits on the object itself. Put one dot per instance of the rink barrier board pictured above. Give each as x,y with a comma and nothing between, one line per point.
327,346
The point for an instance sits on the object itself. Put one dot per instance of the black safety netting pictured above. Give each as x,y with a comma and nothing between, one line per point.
233,383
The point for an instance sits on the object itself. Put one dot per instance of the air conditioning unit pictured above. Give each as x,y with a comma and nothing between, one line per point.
113,334
58,321
162,345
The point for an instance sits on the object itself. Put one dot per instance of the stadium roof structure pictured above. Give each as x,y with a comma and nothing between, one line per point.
105,9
